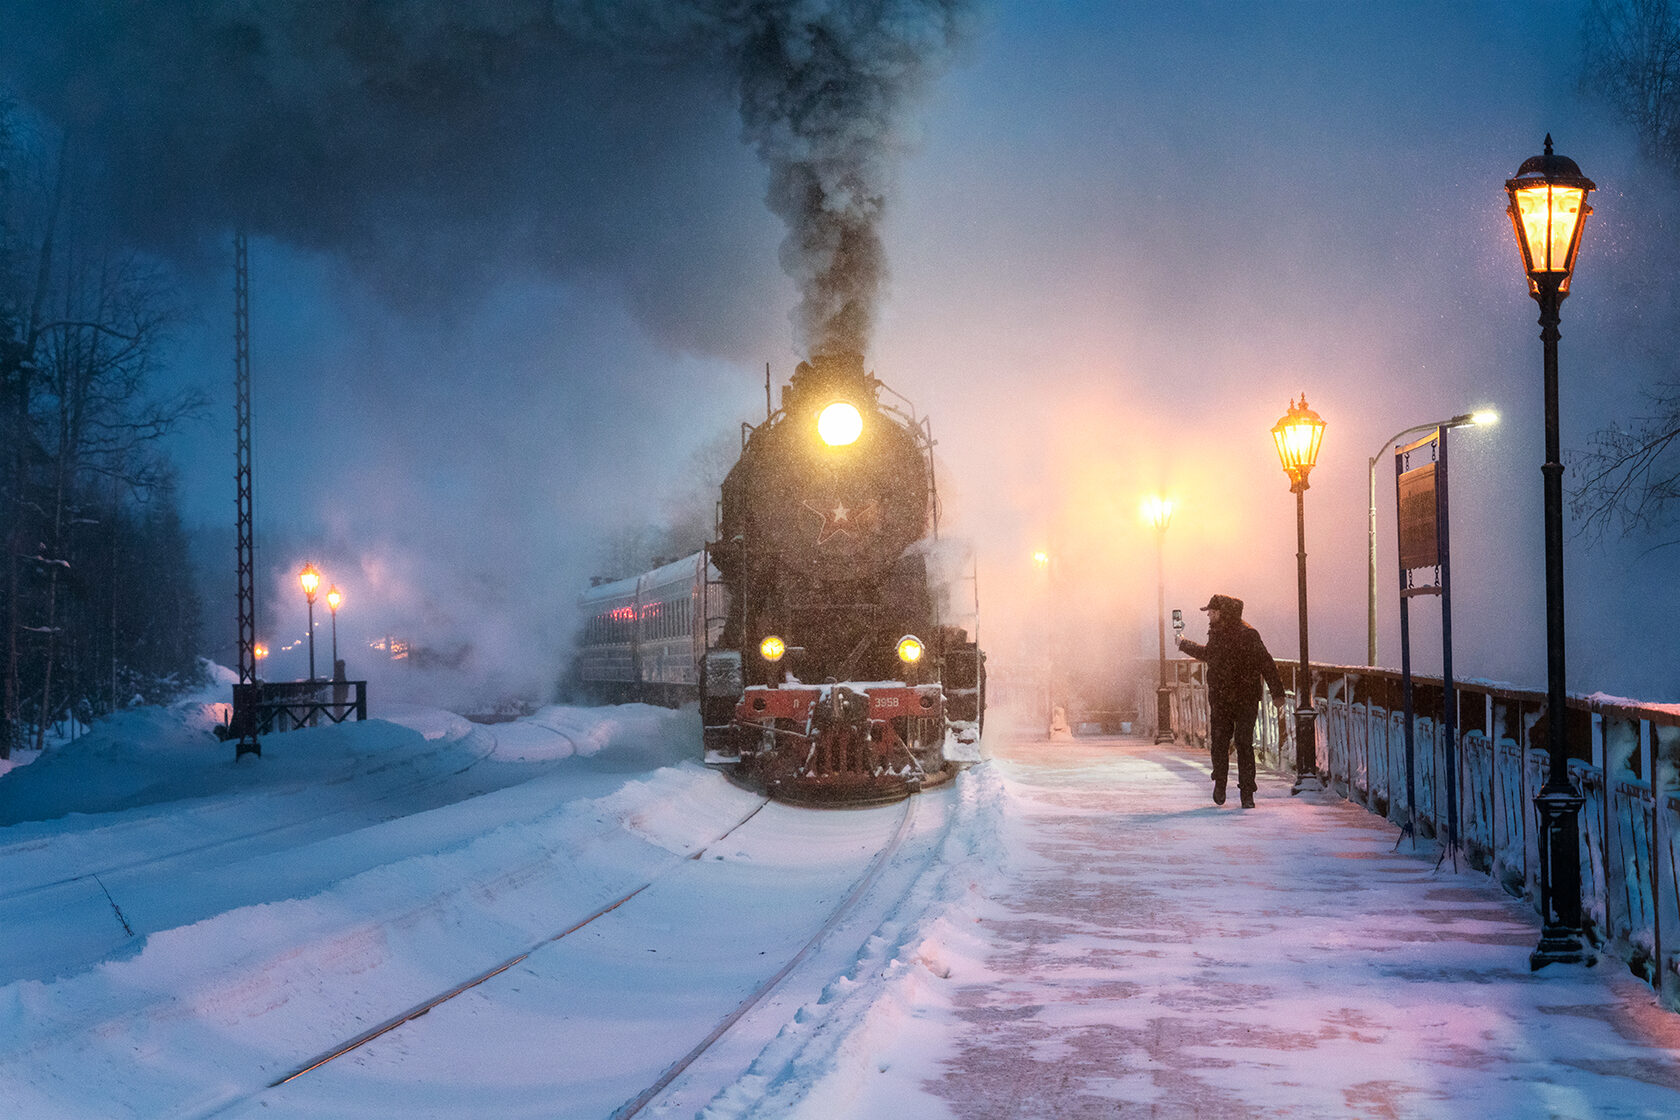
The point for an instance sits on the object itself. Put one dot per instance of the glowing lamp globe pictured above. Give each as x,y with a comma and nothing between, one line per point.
310,580
335,599
840,424
1297,436
1548,210
910,649
772,648
1158,511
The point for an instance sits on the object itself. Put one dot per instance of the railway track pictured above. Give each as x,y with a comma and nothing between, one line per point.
117,897
623,907
467,985
647,1096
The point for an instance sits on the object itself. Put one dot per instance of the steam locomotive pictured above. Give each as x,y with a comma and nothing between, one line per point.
819,645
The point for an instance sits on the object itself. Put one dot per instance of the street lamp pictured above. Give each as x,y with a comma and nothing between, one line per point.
335,598
1547,208
1041,560
310,580
1297,436
1158,512
1482,418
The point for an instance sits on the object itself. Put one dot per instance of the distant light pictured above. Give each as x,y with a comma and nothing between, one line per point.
1157,510
335,599
1041,558
840,424
910,649
772,648
261,651
309,579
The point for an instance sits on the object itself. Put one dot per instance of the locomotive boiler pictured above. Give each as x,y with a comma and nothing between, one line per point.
835,676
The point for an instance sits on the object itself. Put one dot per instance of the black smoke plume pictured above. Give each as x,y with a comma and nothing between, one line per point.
437,144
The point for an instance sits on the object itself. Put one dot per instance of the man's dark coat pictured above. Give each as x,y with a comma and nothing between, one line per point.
1238,665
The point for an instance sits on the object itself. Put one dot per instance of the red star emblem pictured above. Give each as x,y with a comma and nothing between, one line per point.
838,518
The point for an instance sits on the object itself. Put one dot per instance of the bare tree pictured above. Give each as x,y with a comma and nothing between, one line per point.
1631,56
81,324
1628,477
93,414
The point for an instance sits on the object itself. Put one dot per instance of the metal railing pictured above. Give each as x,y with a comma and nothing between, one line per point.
276,706
1624,759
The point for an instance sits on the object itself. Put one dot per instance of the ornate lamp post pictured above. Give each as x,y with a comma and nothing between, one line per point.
1548,207
335,598
1484,417
310,580
1297,436
1158,512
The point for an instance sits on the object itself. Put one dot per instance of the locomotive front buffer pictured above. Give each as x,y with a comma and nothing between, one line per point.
856,743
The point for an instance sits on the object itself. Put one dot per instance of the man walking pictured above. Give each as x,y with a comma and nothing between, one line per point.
1237,665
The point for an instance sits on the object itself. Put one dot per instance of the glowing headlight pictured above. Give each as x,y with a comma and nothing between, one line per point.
840,424
772,648
909,649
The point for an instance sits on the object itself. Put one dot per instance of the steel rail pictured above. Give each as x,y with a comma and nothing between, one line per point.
647,1096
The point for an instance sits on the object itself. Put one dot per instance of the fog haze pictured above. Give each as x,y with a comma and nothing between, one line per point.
513,268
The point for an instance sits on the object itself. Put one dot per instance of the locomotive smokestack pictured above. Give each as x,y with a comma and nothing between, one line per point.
825,376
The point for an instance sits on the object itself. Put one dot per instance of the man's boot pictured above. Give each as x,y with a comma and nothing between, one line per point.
1247,800
1218,793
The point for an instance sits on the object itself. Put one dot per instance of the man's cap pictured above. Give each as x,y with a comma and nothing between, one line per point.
1225,603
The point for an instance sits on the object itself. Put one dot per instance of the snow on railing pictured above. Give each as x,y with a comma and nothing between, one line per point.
1624,759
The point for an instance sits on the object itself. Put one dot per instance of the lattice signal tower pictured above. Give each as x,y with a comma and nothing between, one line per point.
246,719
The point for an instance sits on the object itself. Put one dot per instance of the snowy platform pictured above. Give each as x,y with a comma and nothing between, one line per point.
1143,952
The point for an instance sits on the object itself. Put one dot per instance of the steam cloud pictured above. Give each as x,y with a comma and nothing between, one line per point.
437,142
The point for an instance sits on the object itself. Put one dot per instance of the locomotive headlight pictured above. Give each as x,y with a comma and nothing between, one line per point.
909,649
772,648
840,424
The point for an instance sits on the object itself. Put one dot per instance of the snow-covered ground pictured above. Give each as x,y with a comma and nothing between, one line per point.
184,930
1065,929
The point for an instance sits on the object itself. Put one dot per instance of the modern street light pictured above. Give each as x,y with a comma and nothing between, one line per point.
1483,418
310,580
335,598
1158,512
1297,436
1548,207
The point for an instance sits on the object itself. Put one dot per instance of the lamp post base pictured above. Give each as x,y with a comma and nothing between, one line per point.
1561,939
1559,946
1163,716
1307,779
